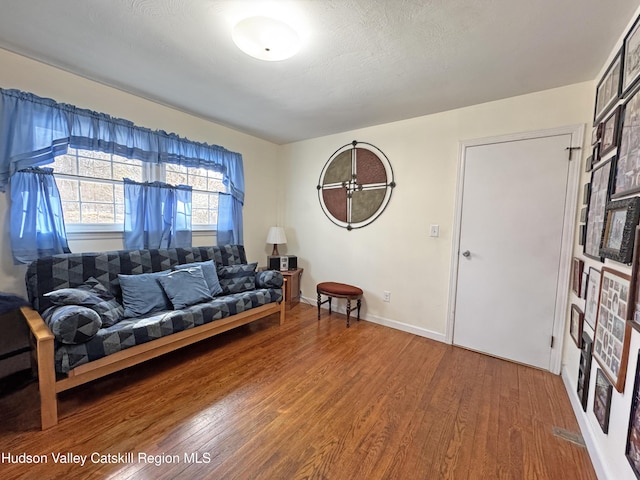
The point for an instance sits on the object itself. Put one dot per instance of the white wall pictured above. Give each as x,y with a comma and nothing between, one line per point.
607,450
395,253
260,157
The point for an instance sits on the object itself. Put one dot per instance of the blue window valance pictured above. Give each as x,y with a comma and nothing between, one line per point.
34,130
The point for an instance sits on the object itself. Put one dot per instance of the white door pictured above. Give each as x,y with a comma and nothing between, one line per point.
511,236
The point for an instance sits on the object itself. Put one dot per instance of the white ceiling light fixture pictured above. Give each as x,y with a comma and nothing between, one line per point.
266,38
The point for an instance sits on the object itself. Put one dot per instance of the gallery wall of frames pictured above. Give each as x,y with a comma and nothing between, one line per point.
605,280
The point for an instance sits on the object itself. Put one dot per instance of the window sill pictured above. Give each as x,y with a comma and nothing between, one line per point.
107,234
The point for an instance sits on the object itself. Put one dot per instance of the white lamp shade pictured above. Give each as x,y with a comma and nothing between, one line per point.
276,235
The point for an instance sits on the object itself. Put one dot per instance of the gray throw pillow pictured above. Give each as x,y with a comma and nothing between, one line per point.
186,287
237,278
142,294
72,324
209,272
91,294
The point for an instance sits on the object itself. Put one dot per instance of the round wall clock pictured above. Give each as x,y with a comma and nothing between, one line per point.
355,185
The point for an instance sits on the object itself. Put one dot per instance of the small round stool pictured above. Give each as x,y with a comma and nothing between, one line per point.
339,290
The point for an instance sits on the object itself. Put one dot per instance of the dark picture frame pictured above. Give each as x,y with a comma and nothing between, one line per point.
598,194
610,132
576,324
634,319
612,332
628,162
602,400
631,58
584,370
618,235
632,448
588,164
596,134
586,193
609,88
585,282
577,266
591,302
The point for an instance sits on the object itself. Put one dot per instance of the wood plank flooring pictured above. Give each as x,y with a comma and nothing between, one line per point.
306,400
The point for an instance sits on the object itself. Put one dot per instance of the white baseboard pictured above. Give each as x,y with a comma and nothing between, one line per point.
586,430
405,327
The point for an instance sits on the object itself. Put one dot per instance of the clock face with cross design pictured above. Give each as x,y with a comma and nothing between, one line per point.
355,185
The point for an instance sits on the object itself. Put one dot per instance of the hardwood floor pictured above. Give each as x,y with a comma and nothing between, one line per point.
310,400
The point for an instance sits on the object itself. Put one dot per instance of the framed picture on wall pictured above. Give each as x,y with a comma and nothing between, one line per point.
586,193
632,450
635,285
628,163
618,236
612,333
584,371
608,89
591,302
576,275
596,134
588,164
610,132
598,196
575,326
583,284
602,400
631,57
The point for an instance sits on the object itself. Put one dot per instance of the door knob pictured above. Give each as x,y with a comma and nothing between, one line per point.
466,254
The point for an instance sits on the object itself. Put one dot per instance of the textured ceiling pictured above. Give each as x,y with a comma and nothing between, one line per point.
364,62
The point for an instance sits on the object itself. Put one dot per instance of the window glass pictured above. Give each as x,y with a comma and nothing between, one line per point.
206,184
92,190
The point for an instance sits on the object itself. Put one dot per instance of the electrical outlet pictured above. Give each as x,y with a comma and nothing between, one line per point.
386,296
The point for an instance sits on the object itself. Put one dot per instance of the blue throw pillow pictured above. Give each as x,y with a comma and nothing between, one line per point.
186,287
91,294
142,294
72,324
209,272
237,278
269,279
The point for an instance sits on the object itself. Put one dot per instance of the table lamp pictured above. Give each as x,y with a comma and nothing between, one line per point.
276,236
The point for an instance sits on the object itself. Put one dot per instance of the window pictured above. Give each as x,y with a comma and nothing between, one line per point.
90,185
92,190
206,184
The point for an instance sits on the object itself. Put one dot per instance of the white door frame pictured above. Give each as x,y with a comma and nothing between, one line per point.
568,228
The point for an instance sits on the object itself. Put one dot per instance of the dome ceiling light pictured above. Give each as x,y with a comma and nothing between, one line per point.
266,38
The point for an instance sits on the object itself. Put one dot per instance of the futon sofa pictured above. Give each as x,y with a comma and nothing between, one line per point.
93,314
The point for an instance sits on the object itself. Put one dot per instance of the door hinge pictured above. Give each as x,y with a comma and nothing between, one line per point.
571,149
552,340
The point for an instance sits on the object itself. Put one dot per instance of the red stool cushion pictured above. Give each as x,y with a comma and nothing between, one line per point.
342,289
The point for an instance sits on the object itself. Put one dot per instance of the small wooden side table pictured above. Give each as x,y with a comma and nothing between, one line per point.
292,293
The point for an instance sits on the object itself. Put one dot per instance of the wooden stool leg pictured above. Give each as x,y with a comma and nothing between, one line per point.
359,302
330,299
348,311
319,298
